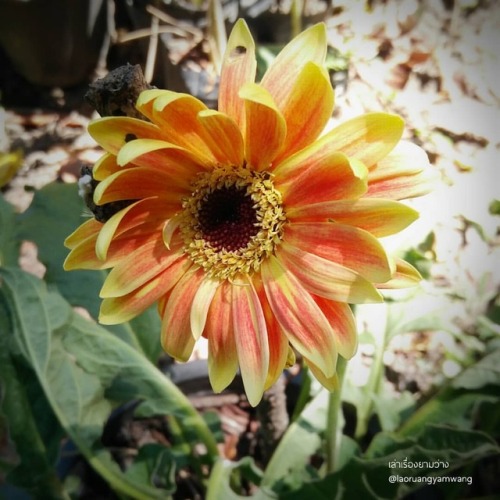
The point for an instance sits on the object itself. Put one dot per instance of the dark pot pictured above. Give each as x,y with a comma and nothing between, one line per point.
53,42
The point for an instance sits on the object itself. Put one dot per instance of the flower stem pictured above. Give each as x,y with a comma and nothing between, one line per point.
273,418
333,429
372,388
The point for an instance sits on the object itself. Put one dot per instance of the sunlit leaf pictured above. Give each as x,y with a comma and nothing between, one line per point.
486,371
10,163
56,210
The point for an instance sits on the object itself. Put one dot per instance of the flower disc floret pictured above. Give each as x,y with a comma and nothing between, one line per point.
232,221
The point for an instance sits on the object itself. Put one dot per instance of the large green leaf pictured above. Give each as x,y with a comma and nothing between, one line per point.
485,372
24,456
83,369
436,453
147,328
453,403
55,212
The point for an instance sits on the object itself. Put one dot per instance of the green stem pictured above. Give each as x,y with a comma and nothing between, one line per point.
304,394
296,17
372,388
333,429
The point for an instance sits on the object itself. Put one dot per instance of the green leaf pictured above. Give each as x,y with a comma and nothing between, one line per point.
154,465
487,418
146,329
9,457
485,371
27,464
421,312
9,245
55,212
438,451
390,410
301,440
350,482
225,473
494,207
79,365
454,401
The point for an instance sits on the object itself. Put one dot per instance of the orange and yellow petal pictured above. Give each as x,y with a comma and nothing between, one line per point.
404,173
146,100
405,159
250,333
329,383
346,245
282,74
201,304
300,317
177,117
379,217
113,132
367,138
82,256
90,227
404,276
176,335
327,279
219,330
238,68
279,346
265,127
223,137
141,265
141,214
343,324
303,181
116,310
165,156
140,182
106,165
305,123
403,186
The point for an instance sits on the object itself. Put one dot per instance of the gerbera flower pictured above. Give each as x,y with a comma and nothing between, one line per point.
245,224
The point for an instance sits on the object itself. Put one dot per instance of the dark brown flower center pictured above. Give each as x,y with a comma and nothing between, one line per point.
231,222
227,218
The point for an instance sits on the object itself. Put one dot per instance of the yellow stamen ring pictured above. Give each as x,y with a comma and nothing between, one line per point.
232,221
